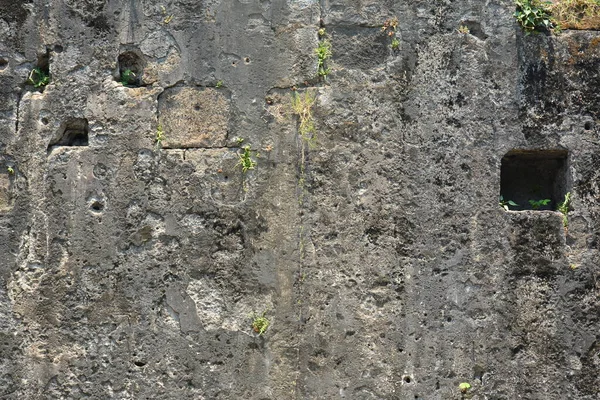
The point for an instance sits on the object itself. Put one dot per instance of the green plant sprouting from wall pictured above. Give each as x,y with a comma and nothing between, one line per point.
302,104
160,136
260,323
38,78
166,18
537,204
389,28
464,387
534,16
563,207
128,77
506,203
463,29
245,159
323,52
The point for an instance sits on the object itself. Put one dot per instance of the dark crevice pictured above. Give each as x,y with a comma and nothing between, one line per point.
17,112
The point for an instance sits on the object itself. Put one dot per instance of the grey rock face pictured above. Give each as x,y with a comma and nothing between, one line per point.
134,249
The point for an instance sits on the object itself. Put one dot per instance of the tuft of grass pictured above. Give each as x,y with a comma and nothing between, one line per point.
564,209
302,104
576,14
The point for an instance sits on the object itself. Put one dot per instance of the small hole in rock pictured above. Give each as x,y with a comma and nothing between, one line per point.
131,68
197,107
247,60
45,121
407,379
139,363
3,63
73,132
587,126
97,206
534,179
58,48
39,76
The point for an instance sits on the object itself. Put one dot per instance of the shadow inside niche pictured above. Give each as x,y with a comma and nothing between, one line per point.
73,132
534,175
131,68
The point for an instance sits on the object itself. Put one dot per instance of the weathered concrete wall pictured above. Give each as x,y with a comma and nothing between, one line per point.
129,268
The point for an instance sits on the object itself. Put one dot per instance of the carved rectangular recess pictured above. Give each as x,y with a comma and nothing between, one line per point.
72,132
534,175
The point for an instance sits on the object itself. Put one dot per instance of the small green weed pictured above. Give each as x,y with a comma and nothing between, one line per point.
167,18
536,204
128,77
246,161
464,29
10,170
260,323
389,28
506,203
160,135
38,78
219,84
464,387
323,52
564,209
534,15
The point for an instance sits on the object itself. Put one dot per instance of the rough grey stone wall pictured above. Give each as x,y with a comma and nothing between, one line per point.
129,268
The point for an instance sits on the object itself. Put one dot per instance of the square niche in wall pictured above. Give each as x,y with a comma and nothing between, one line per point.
534,175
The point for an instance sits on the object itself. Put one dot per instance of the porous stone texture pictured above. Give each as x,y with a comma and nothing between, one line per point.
193,118
130,268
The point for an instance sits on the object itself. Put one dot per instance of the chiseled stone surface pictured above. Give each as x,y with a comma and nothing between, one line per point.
129,269
192,117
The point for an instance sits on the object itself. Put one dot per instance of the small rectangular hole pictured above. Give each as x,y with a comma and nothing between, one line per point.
534,175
